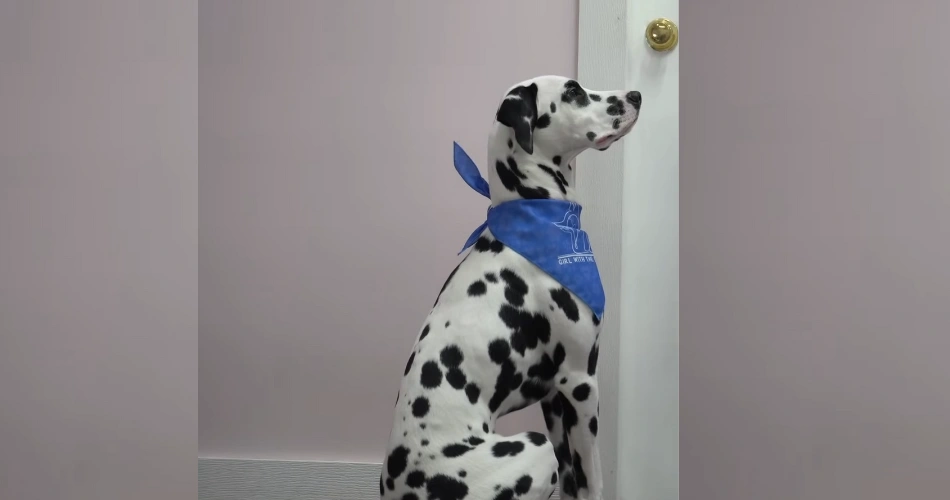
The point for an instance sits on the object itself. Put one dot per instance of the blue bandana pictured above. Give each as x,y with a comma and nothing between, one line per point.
546,232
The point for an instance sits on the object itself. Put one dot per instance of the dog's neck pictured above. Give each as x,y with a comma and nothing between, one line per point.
515,174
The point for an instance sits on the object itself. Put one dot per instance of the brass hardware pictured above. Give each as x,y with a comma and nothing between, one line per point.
662,34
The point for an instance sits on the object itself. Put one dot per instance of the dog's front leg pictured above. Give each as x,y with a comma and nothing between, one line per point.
581,409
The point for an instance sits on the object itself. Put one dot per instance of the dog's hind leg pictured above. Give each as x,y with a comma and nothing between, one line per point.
521,467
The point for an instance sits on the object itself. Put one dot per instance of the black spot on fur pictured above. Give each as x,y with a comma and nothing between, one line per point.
456,378
563,455
523,485
511,144
512,182
570,414
567,304
491,278
553,108
581,392
507,448
451,356
548,367
535,193
616,123
591,136
485,427
462,473
420,407
422,426
475,440
518,342
505,494
425,331
564,380
482,244
592,359
543,121
431,375
593,425
516,288
391,484
447,323
507,177
595,97
415,479
550,171
410,496
472,391
580,476
527,328
499,351
533,391
508,380
442,487
569,486
456,450
554,478
574,93
556,160
616,107
537,438
409,364
425,442
397,461
596,320
562,178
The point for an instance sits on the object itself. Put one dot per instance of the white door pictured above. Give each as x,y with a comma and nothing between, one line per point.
632,203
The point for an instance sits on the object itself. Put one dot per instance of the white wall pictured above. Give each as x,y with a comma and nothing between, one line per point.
331,213
98,250
815,245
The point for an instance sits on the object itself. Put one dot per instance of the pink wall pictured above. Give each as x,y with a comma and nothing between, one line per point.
331,213
98,250
815,191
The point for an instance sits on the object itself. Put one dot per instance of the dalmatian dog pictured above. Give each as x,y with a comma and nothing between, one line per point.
503,335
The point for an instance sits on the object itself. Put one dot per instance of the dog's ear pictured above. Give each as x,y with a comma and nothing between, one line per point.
519,111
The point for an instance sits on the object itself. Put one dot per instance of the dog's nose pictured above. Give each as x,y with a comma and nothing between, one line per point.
634,98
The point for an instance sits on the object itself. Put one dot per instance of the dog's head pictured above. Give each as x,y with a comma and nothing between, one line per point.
556,115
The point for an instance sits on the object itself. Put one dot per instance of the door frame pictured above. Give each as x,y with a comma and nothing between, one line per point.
631,211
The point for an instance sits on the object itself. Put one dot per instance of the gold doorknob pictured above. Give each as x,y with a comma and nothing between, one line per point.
662,34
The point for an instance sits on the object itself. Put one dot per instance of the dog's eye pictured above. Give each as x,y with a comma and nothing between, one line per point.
573,92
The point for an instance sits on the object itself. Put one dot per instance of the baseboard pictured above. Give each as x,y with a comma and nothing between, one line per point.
242,479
